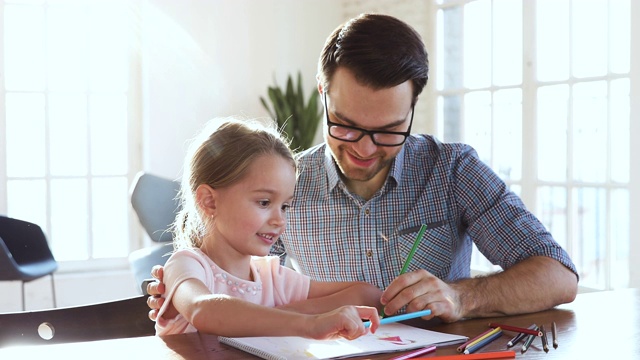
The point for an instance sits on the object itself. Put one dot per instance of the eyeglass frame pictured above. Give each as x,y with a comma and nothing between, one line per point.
364,132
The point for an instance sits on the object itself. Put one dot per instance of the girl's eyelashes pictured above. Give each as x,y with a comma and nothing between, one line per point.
265,203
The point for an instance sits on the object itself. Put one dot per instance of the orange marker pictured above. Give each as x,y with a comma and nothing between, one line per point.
475,356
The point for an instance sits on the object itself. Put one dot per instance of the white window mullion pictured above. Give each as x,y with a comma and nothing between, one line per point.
571,185
135,125
492,91
3,129
47,167
609,241
634,186
47,139
88,176
529,108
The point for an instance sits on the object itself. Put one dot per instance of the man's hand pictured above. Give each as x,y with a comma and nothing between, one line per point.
421,290
534,284
155,290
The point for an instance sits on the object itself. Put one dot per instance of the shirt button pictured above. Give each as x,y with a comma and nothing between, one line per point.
369,253
366,211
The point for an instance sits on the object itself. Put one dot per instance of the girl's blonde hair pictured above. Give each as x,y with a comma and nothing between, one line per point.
219,157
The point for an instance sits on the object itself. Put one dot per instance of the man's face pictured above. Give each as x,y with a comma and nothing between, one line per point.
364,163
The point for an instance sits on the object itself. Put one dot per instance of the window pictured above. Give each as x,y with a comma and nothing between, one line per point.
547,107
68,124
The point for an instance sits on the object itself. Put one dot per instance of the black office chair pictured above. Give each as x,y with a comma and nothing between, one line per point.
25,254
121,318
155,201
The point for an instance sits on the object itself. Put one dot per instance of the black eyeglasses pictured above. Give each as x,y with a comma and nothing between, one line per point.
354,134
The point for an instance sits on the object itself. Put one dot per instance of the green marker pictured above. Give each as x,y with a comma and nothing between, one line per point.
405,267
423,228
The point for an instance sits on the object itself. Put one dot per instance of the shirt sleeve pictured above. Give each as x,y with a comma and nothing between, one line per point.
181,266
498,221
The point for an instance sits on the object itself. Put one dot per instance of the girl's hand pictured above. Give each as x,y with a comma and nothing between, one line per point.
344,322
156,289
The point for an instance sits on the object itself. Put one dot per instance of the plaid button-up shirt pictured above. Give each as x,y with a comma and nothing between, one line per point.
335,235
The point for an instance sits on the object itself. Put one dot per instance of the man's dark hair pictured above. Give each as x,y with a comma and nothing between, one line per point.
380,50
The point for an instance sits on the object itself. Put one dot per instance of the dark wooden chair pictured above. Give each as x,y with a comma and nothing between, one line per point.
100,321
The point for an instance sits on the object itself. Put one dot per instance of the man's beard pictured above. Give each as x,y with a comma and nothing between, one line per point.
352,172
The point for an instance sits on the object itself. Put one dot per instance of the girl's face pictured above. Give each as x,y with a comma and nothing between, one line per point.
251,214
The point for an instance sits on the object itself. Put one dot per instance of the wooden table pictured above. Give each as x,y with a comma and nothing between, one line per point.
600,325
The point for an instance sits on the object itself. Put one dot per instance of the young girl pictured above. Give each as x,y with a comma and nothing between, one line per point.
236,188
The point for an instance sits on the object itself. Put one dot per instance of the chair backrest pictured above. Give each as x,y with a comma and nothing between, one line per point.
100,321
155,201
8,265
24,251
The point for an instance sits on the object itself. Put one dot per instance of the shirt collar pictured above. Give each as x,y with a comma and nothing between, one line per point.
397,165
331,167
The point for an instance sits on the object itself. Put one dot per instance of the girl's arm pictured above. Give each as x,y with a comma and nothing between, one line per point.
328,295
228,316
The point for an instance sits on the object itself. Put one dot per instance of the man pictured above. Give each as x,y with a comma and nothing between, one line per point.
363,195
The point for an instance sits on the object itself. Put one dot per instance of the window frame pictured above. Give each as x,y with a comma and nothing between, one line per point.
529,182
134,232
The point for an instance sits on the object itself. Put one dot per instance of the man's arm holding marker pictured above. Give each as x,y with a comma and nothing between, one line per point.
535,284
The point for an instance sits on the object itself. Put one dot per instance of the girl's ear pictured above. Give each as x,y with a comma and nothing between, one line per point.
206,197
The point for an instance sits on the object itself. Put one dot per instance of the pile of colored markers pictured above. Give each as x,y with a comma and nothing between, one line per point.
524,334
532,332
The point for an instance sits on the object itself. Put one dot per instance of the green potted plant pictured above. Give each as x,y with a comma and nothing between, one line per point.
297,117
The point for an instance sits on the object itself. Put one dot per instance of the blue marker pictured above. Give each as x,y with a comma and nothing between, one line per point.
392,319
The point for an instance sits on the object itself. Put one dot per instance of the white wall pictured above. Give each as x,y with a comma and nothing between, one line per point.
204,59
71,290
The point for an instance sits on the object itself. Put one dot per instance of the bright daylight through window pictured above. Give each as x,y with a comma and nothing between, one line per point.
66,96
550,113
